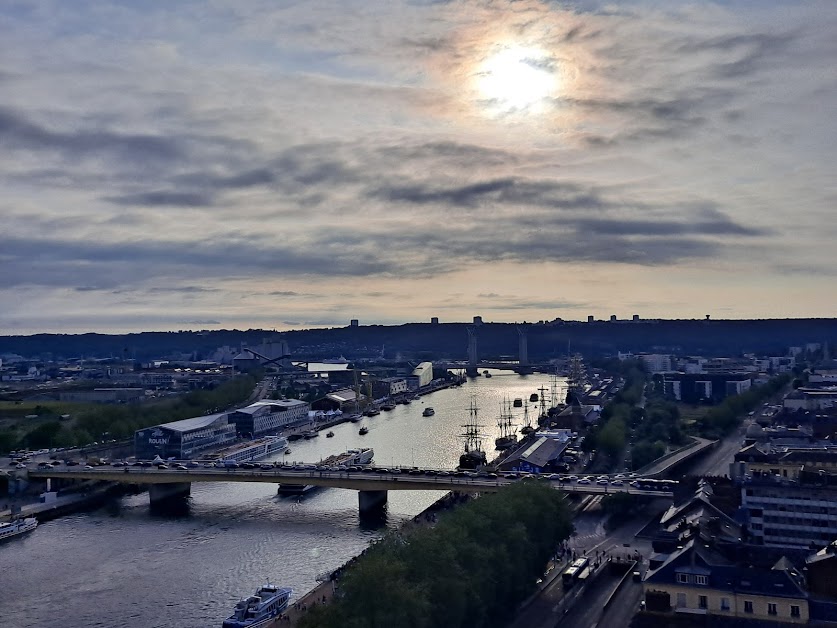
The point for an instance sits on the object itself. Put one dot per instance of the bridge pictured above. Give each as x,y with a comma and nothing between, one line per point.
372,483
663,465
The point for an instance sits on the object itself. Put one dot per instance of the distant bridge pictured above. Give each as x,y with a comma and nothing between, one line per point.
372,484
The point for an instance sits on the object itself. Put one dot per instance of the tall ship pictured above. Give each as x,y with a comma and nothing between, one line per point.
576,379
508,435
251,450
260,609
17,527
527,423
474,456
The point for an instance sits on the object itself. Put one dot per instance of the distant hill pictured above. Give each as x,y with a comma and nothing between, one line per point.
450,340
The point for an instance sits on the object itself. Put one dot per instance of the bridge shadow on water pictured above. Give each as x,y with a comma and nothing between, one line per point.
373,519
171,508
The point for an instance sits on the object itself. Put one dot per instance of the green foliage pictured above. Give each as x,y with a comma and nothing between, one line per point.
121,421
472,569
726,416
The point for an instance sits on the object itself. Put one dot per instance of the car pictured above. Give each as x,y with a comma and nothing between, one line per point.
620,476
601,482
162,465
248,465
20,466
117,464
430,472
633,484
510,476
181,467
583,481
396,471
553,476
208,465
492,475
602,477
192,465
461,474
415,472
616,483
381,470
368,469
571,478
444,473
87,466
266,467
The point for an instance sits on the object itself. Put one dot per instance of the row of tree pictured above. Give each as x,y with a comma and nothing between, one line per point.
472,569
720,420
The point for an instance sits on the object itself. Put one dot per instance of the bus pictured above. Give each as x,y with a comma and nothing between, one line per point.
571,574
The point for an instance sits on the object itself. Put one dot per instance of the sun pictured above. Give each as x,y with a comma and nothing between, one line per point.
516,79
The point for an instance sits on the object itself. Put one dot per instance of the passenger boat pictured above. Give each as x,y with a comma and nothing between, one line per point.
17,527
311,434
251,450
388,406
428,411
259,610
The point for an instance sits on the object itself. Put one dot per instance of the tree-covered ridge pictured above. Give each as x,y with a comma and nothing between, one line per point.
471,569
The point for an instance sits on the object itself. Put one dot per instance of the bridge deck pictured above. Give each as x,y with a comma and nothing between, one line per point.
376,480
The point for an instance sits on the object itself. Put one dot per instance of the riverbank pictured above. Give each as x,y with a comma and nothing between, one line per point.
55,506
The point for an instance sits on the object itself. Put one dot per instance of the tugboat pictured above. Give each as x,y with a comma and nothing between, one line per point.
259,610
474,456
311,434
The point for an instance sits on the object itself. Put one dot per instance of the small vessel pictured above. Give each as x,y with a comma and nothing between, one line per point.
340,360
406,401
259,609
356,418
294,489
518,402
350,457
287,451
311,434
17,527
363,430
372,411
533,397
329,434
388,406
428,411
296,436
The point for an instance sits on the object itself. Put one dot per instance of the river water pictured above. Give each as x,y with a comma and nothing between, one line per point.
125,565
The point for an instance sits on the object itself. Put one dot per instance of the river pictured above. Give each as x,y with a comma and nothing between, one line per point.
125,565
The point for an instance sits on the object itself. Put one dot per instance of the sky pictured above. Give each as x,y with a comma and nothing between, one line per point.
244,164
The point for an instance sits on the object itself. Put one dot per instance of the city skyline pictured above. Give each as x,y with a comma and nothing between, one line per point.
245,164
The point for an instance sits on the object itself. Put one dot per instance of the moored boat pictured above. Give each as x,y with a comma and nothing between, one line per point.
17,527
363,430
259,609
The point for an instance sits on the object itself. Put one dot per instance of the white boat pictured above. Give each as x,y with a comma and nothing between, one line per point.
260,609
17,527
340,360
253,450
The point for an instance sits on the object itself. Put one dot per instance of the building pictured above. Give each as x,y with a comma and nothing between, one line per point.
696,580
657,363
343,399
811,399
389,387
269,416
184,439
542,456
705,387
792,513
422,375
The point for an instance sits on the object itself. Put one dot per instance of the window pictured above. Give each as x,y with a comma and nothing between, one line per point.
701,579
683,578
748,606
724,603
771,608
794,610
702,602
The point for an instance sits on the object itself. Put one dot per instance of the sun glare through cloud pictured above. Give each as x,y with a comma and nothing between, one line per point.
516,79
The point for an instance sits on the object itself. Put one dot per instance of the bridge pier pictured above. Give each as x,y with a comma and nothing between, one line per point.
370,500
163,492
